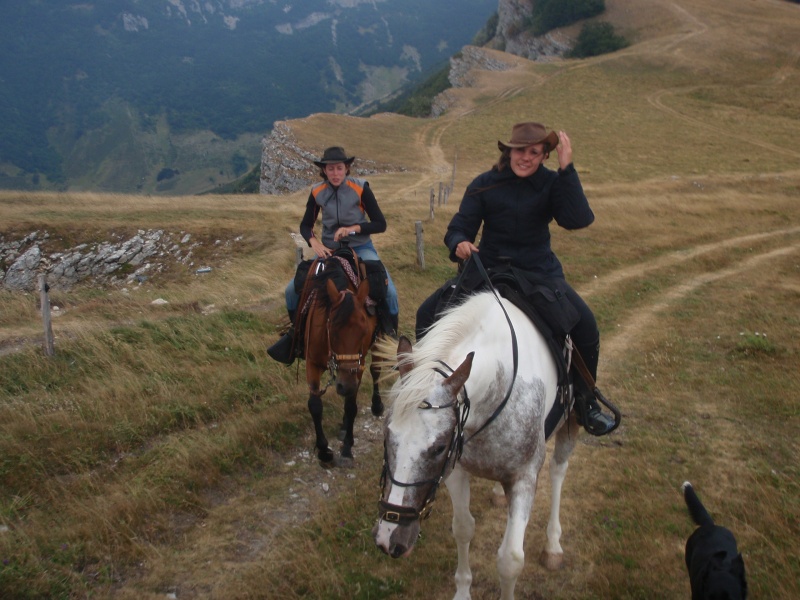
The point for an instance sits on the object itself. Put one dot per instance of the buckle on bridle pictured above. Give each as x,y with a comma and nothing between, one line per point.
391,516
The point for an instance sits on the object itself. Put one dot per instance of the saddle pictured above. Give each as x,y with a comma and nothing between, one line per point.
344,267
544,303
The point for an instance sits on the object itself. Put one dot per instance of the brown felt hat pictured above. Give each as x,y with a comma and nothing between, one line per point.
333,155
527,134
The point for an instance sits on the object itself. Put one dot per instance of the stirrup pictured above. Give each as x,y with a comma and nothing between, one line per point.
600,424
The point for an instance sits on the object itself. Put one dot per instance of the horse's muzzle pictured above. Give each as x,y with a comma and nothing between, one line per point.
395,540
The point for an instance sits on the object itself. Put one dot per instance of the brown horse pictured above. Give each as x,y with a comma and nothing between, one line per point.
338,333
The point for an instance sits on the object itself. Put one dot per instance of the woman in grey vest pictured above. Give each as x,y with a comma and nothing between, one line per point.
349,212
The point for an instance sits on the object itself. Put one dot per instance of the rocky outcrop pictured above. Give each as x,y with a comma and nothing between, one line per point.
510,37
470,58
124,260
463,67
285,166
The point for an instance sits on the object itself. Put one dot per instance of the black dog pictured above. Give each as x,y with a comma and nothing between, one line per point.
716,569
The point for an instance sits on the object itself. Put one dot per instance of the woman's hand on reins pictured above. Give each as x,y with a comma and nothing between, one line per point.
344,232
465,249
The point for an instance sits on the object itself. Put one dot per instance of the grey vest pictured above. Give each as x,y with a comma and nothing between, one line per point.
341,208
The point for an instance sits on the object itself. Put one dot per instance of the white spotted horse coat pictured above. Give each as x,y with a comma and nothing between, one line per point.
450,386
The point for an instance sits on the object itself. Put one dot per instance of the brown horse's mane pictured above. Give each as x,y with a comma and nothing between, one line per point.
319,284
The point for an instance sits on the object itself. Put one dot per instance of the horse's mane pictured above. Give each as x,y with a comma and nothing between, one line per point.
440,339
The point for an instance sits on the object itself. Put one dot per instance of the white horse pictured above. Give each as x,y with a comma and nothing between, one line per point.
484,418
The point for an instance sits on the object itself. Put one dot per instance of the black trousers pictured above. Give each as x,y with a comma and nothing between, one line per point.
585,335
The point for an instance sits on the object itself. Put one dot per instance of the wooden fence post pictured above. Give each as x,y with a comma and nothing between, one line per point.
49,346
432,199
453,176
420,245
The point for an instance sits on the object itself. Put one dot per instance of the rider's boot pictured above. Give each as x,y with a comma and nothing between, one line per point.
283,349
590,415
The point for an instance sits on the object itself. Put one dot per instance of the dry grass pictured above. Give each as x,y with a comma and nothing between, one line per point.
161,452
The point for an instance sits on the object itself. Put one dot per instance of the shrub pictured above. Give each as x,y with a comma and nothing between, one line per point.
549,14
595,39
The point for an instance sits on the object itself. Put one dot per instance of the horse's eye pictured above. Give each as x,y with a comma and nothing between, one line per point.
438,450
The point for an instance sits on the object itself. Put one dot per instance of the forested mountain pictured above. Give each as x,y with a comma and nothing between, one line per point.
127,95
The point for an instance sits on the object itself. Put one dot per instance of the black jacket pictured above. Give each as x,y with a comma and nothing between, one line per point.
516,214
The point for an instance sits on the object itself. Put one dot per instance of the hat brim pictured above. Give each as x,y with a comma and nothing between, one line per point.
551,139
321,163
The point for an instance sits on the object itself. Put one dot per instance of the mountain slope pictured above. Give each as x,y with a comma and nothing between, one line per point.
104,96
710,87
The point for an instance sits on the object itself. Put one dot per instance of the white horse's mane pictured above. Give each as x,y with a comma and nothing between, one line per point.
451,328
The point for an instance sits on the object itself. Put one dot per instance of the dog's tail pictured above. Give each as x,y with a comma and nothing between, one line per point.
699,513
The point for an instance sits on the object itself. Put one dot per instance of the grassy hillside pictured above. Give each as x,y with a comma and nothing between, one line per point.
161,452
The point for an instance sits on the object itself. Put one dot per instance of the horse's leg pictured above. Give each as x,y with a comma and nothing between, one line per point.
324,453
463,529
377,402
553,555
350,412
511,554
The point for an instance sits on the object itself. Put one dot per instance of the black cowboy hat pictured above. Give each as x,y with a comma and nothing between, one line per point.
333,155
527,134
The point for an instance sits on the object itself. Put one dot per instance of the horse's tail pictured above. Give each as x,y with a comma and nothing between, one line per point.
696,509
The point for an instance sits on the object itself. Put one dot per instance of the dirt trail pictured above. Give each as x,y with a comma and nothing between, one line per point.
637,322
671,259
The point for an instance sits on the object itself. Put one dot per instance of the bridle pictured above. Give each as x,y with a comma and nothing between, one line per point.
353,363
405,515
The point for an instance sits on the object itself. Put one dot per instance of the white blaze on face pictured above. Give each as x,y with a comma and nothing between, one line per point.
412,439
383,534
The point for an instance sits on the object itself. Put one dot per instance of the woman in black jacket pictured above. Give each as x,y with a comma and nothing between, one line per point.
515,202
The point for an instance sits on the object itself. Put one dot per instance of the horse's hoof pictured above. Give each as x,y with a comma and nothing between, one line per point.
326,456
345,462
377,408
551,561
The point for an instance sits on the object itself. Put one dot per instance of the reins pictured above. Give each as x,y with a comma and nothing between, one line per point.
514,347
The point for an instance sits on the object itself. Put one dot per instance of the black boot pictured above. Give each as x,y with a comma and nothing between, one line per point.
283,349
590,416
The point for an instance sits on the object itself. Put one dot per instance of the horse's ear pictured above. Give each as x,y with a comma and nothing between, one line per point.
405,363
456,381
333,293
363,291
